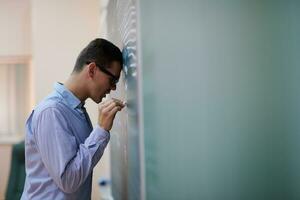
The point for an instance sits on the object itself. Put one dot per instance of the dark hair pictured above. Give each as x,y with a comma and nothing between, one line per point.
100,51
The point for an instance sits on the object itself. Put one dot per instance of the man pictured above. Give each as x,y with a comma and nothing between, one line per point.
61,146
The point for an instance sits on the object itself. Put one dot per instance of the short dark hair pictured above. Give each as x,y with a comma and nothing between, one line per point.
100,51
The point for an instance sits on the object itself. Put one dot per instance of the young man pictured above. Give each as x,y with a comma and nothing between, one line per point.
61,146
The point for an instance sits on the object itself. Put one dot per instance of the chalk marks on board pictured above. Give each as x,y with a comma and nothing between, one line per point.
129,58
127,17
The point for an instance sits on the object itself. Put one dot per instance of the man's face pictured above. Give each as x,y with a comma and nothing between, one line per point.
104,81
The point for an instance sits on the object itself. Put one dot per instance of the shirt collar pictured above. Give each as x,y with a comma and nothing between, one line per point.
68,96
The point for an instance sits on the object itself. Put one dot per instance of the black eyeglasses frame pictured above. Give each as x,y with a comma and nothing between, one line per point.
114,79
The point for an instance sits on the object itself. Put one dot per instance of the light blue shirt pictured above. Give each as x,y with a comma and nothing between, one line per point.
61,148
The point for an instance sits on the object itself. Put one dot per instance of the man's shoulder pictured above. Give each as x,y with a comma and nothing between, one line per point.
50,102
50,106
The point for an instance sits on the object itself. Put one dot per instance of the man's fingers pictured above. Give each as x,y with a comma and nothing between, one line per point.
105,104
118,101
109,101
114,111
107,112
112,106
109,107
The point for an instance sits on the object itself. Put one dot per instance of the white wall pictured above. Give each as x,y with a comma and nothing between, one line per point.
52,33
60,29
15,43
15,27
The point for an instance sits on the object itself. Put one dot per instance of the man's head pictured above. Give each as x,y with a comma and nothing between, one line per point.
100,63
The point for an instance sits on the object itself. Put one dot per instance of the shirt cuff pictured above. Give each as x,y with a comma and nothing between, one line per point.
98,136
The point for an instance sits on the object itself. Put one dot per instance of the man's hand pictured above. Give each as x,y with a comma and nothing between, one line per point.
107,112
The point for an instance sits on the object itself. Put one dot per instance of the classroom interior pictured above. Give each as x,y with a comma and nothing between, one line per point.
213,93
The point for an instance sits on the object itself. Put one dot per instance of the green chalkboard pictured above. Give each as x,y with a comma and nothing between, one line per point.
220,100
125,140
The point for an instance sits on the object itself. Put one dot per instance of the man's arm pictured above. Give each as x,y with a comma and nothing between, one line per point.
67,164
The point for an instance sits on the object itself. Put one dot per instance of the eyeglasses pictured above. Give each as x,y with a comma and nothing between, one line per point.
114,80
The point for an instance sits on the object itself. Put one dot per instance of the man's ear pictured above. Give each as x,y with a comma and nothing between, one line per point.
91,69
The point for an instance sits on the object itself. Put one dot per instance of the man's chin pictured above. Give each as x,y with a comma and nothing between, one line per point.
98,100
101,99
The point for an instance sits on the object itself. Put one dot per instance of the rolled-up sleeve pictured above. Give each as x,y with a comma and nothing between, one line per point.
68,163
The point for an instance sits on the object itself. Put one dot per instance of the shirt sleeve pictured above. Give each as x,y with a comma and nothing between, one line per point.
67,163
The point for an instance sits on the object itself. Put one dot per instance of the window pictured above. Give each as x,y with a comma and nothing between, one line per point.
14,97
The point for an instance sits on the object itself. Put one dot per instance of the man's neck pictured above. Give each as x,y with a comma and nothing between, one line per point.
76,85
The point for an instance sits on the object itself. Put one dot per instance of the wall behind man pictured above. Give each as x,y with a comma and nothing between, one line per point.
15,27
53,33
15,41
